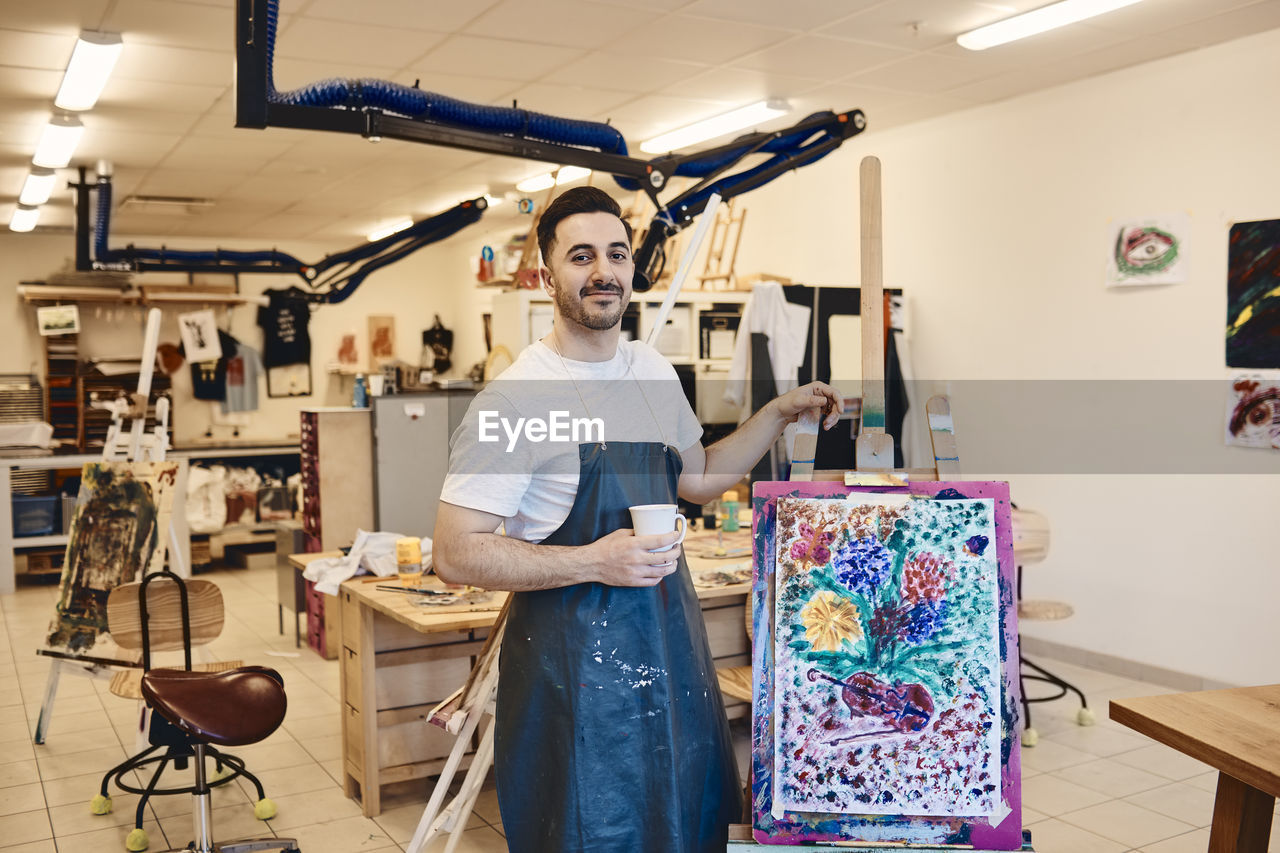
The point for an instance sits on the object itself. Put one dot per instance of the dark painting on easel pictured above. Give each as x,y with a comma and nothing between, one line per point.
1253,295
117,535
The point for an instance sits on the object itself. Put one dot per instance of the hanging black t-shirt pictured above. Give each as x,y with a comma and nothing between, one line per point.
209,378
284,328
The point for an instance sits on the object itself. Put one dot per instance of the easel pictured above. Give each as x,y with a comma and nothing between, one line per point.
873,449
131,444
716,270
461,714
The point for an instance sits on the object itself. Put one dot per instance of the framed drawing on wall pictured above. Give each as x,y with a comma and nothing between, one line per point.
289,380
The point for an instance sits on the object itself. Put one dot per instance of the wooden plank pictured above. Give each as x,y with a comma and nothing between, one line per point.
873,450
942,435
423,654
1241,818
1236,731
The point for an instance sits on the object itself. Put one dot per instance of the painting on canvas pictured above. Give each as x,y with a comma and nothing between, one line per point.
1148,251
1253,295
1253,412
887,658
118,534
885,691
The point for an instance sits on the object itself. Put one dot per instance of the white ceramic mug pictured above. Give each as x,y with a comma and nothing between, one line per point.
657,518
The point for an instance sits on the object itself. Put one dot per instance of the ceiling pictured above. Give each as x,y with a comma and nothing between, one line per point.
166,119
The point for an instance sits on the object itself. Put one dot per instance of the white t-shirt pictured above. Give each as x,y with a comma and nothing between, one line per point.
515,454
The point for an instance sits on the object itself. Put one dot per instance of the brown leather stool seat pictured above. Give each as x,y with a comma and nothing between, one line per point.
233,708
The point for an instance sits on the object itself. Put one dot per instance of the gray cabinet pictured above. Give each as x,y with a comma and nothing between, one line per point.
411,456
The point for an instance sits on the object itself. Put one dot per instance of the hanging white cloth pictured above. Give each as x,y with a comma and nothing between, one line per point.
787,326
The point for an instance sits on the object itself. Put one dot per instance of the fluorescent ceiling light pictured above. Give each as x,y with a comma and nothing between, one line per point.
710,128
395,228
90,67
58,141
38,186
1037,21
567,174
24,218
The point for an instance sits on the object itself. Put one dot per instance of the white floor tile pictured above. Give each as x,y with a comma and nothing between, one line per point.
1055,836
1131,825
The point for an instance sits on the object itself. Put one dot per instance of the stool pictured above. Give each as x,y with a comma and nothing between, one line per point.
233,708
1031,545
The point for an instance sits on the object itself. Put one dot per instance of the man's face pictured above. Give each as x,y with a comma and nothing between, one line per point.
590,269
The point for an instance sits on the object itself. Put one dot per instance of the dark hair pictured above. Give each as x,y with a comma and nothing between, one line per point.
576,200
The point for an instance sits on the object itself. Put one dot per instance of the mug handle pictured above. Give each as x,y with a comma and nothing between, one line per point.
684,527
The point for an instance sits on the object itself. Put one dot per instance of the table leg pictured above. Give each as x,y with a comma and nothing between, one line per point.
1241,818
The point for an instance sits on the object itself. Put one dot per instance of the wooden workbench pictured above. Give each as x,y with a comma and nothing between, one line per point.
1237,732
400,659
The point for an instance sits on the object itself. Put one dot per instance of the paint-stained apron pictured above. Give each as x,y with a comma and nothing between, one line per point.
611,732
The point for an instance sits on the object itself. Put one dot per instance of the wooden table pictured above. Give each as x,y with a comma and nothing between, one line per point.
1236,731
398,660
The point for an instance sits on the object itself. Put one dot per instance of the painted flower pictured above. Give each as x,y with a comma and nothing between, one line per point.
813,546
830,620
924,620
925,576
863,564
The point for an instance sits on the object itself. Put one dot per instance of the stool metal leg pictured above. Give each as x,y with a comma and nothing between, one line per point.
202,809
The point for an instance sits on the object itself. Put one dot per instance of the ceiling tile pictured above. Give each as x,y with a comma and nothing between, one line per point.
171,23
799,15
821,58
923,73
28,83
246,154
740,86
634,74
570,23
35,50
345,42
131,149
490,57
569,101
839,97
130,120
1145,19
65,17
1008,84
1113,57
659,5
296,226
1229,25
653,114
162,96
141,61
441,16
476,90
688,39
1035,51
188,182
922,24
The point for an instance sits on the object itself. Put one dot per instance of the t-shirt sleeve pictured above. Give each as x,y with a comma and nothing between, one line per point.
483,473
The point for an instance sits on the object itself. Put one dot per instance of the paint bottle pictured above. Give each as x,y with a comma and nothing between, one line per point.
360,393
730,502
409,560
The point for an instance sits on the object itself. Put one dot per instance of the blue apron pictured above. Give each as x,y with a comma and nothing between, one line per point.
611,732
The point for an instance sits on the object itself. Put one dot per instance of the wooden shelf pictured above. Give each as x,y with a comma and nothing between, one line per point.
43,294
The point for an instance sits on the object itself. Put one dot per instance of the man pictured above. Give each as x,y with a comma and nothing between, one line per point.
611,733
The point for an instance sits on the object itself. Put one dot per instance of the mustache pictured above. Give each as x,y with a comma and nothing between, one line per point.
599,289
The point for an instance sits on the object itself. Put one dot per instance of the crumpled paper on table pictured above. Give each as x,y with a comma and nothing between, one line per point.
372,553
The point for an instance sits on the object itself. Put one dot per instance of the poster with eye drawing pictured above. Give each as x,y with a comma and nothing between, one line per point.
1148,251
887,649
199,332
1253,411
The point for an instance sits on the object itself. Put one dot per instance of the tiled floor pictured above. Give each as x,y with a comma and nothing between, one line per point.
1086,790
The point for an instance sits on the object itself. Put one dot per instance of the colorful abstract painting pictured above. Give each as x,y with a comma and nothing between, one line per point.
1253,295
1253,412
118,534
1148,251
887,657
885,694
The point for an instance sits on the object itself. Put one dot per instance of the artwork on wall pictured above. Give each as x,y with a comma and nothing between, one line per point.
382,341
289,380
1253,295
1253,411
58,320
118,533
1148,251
199,331
885,699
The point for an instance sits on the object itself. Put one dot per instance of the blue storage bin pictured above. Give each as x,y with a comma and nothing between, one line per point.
34,515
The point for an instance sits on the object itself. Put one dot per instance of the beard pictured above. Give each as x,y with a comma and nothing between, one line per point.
597,319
